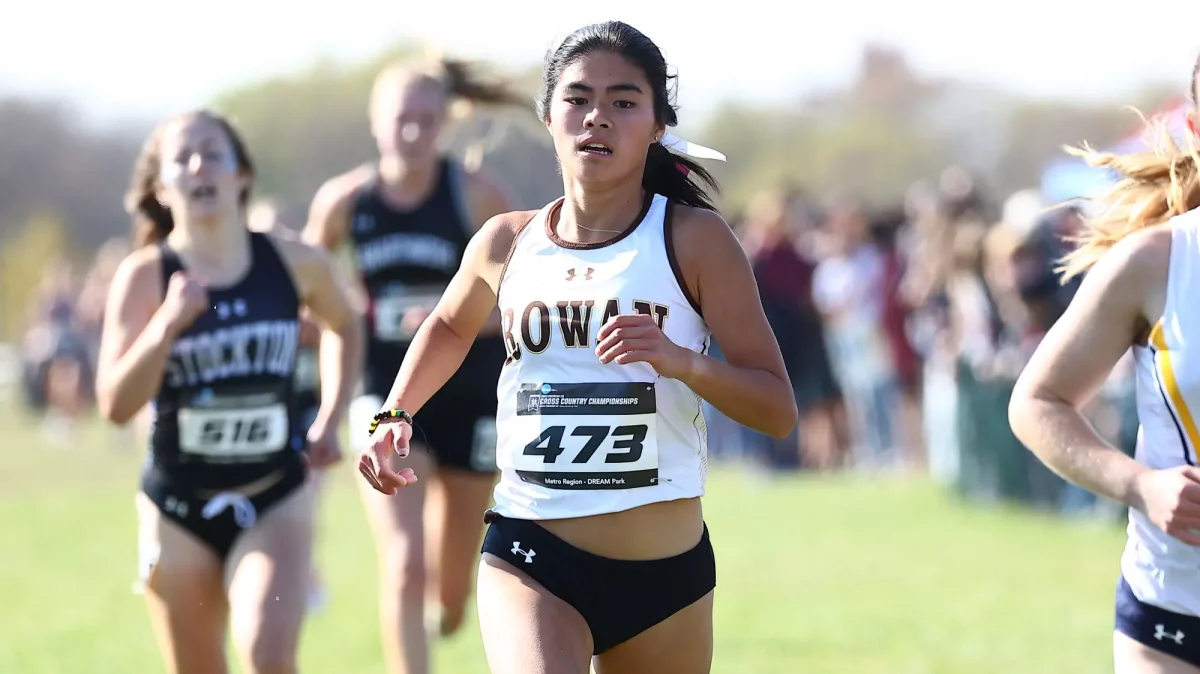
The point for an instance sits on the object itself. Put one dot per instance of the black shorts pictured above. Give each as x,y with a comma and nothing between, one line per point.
1162,630
459,429
220,520
618,598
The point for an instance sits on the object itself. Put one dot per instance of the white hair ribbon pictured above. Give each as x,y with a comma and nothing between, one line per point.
684,146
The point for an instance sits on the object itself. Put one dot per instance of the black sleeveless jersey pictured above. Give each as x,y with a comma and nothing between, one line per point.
226,412
406,259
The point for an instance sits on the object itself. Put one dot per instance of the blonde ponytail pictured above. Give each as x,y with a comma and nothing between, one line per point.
1153,186
464,83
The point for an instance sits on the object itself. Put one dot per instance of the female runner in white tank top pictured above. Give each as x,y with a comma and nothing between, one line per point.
1142,258
597,547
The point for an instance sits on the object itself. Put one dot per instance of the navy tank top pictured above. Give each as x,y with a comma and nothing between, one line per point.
406,259
226,413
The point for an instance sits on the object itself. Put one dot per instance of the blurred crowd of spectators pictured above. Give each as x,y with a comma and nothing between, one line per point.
904,328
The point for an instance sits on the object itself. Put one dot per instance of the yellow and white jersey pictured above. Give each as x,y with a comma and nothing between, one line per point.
1160,569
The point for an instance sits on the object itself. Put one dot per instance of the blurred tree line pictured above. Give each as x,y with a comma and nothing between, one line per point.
61,182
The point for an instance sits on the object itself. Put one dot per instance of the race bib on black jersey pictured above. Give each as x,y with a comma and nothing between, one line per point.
586,436
391,307
308,370
233,428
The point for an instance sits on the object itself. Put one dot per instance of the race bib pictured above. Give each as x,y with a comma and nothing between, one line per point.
307,370
390,309
585,436
233,433
483,447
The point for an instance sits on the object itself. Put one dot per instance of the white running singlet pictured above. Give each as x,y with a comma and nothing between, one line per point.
1162,570
577,437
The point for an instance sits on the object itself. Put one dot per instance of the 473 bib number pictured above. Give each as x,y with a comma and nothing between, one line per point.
587,455
627,443
583,435
233,433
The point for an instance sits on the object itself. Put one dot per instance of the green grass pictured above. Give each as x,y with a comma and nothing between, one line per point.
843,574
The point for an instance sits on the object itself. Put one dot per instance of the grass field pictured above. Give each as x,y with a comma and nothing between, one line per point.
833,575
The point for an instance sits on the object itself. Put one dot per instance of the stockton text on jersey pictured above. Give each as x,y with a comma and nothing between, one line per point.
249,349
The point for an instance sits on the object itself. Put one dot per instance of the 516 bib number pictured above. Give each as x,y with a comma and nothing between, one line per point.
232,432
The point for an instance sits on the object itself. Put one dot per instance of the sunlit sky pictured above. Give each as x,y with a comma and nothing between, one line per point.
123,58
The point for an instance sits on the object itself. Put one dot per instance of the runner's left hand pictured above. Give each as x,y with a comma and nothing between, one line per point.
636,338
389,437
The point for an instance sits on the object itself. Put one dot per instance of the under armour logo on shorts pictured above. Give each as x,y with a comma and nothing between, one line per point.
516,550
1160,633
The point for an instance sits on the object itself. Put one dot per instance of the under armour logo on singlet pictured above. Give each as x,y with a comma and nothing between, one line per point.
516,550
1160,633
587,276
226,309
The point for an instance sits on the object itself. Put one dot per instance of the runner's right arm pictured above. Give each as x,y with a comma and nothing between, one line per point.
138,333
1071,363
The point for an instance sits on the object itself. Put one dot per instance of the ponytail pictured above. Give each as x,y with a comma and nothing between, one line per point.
670,175
465,83
152,220
1153,187
466,88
